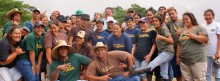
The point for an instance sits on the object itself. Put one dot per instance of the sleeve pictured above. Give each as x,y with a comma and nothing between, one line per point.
136,38
202,30
6,27
48,41
154,35
71,31
53,67
166,32
4,51
128,44
109,43
121,55
91,70
30,44
90,36
218,28
90,53
83,59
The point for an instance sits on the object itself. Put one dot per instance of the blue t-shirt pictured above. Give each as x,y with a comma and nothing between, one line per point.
123,43
101,37
132,33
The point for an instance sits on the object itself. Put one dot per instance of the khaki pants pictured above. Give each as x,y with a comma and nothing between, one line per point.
193,72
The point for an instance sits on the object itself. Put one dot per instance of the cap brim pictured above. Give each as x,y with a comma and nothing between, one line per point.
26,28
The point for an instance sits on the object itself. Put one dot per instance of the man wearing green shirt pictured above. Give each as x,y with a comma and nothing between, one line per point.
66,65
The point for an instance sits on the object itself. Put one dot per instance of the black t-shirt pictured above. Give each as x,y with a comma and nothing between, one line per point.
144,41
6,50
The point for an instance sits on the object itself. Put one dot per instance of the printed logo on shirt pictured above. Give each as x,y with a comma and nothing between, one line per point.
100,37
38,46
143,35
183,38
118,46
69,68
212,30
106,69
131,35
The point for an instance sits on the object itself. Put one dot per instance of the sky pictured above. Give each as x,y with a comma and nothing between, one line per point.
68,7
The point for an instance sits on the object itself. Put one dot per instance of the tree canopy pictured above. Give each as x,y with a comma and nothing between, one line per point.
119,13
7,5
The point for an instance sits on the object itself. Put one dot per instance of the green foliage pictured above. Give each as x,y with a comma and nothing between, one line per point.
7,5
1,33
119,13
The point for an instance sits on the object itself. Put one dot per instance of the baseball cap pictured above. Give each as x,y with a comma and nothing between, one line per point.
128,18
38,23
143,20
111,19
36,10
28,26
85,16
61,18
100,20
130,10
81,34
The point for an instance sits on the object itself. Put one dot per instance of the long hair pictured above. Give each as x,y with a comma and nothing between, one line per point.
192,18
10,31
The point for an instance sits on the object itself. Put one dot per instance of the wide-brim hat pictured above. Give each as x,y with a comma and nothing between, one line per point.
60,44
99,45
12,12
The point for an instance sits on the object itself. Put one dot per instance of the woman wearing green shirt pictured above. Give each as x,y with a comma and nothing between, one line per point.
29,62
191,53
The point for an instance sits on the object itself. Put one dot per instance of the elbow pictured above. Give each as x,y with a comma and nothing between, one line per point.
171,42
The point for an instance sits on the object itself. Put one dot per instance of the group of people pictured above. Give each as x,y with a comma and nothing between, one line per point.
73,48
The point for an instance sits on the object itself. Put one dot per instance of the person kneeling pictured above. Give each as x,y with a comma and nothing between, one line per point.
106,66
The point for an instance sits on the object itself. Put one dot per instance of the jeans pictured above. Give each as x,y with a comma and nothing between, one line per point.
163,59
216,67
25,67
139,64
121,78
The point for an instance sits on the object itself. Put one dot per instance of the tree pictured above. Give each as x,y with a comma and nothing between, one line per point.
7,5
119,13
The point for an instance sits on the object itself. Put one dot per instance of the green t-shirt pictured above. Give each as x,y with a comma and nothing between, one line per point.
46,28
31,42
73,73
6,27
173,28
191,50
161,44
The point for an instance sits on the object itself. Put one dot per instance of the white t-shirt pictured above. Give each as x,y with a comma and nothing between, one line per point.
213,30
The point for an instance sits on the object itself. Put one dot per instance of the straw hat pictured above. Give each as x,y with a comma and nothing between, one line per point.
12,12
99,45
61,43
